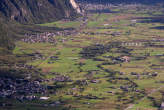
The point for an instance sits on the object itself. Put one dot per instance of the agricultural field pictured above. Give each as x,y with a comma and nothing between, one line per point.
113,61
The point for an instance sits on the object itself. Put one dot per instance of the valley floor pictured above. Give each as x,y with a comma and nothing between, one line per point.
114,61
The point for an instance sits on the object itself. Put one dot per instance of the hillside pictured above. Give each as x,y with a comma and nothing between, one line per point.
122,1
36,11
14,13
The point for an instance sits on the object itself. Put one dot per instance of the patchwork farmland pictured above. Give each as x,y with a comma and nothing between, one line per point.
103,61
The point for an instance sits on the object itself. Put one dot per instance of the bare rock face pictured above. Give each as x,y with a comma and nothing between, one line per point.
36,11
75,6
123,1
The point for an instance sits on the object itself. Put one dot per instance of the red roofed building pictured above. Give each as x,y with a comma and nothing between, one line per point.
125,58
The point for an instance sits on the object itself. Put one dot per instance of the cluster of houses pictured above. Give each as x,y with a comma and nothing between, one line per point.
132,44
91,6
95,81
107,33
20,89
47,37
22,65
119,59
40,38
62,78
144,75
158,40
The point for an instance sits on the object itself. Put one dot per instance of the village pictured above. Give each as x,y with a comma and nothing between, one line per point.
46,37
39,38
20,89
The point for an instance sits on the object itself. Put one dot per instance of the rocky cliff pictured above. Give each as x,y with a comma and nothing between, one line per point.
75,6
37,11
123,1
30,12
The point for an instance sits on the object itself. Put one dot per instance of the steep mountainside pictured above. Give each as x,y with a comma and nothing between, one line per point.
75,6
123,1
36,11
30,12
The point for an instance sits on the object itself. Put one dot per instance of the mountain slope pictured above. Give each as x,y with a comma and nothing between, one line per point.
36,11
30,12
123,1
